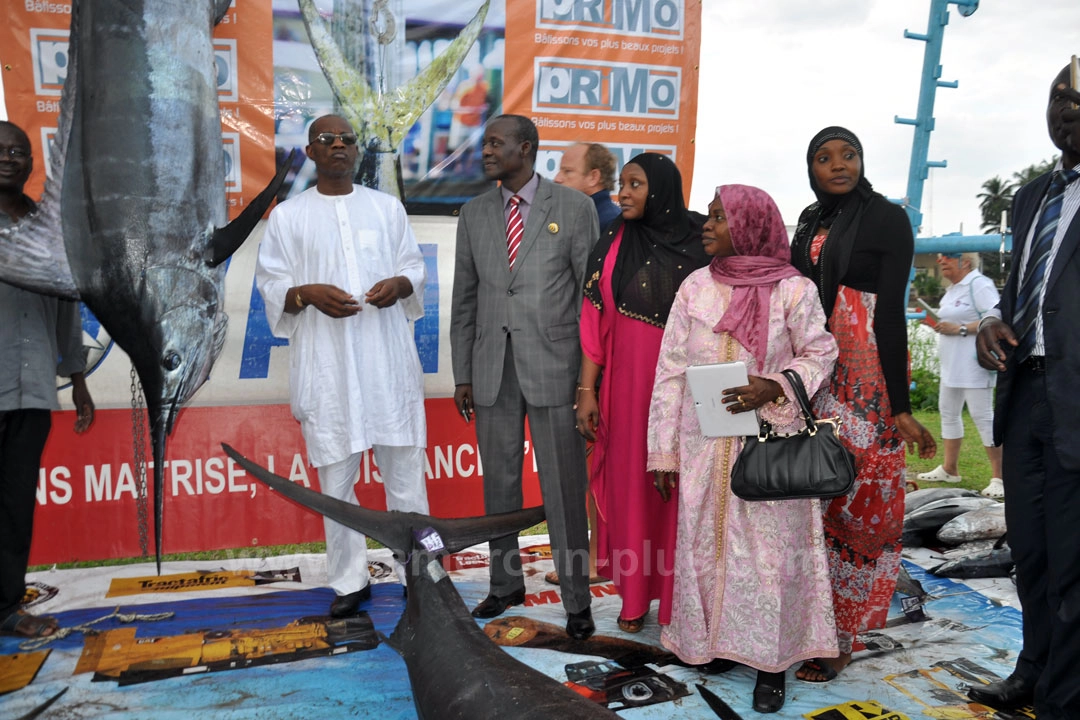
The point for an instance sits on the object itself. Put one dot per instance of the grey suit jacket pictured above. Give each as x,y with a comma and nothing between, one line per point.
537,305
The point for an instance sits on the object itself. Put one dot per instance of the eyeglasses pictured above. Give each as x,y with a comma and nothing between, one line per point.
14,152
329,138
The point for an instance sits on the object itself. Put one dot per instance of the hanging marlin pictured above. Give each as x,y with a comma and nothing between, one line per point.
133,221
456,671
382,116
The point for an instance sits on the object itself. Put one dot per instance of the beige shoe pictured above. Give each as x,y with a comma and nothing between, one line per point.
938,474
996,489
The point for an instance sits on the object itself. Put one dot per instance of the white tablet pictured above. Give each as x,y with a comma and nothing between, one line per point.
707,385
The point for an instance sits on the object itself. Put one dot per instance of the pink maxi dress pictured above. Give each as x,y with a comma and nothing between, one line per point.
635,529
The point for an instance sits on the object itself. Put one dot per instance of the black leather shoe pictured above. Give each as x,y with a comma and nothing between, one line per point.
346,605
1009,694
580,625
494,606
769,692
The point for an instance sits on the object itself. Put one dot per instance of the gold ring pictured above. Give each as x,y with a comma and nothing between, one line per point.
739,398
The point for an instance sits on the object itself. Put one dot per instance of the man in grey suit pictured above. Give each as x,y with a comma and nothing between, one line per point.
520,265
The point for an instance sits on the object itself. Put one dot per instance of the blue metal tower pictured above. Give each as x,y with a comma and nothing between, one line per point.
919,168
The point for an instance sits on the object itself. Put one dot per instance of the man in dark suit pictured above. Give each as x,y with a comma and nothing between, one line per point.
520,266
1035,346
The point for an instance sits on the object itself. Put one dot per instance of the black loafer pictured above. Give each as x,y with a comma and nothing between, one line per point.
769,692
1009,694
580,625
346,605
494,606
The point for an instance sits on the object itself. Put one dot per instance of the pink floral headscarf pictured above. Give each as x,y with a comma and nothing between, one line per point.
762,259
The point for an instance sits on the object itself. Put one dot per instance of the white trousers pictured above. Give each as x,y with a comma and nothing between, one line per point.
980,402
403,477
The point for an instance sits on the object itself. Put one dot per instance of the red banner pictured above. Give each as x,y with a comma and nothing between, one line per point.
87,489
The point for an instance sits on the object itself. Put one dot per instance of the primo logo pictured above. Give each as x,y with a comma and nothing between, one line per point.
662,18
570,86
49,55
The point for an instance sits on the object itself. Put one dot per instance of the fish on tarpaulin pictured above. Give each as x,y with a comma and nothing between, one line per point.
986,523
915,500
455,670
921,525
133,221
994,562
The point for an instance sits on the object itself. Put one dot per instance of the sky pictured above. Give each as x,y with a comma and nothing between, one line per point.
775,72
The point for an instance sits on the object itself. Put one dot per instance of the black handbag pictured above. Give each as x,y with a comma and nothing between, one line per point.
810,463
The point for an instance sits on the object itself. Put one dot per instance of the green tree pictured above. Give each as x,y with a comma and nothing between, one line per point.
997,196
995,199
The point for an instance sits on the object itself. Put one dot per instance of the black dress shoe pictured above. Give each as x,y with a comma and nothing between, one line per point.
346,605
769,692
580,625
494,606
1009,694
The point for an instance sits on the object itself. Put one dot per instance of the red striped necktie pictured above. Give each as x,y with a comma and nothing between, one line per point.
515,229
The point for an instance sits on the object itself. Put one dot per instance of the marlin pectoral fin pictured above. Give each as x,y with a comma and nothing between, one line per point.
415,96
228,239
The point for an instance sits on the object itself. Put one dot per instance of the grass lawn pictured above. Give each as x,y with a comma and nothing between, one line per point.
972,465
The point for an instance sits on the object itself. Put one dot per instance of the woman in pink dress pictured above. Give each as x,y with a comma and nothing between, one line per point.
633,274
752,578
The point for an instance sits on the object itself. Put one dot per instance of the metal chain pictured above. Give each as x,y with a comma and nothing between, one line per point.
61,633
138,440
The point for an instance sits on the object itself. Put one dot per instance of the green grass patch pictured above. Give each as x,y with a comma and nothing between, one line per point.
973,465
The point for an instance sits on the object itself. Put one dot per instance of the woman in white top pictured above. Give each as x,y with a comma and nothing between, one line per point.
962,380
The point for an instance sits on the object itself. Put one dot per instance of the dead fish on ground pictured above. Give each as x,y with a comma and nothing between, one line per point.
992,563
915,500
986,523
134,220
456,671
970,547
934,515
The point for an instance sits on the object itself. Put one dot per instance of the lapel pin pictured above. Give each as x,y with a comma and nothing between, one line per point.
553,228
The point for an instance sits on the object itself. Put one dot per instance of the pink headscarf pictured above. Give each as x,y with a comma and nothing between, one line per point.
762,259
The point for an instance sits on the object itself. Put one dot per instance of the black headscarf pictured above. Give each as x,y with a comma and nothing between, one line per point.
657,252
840,213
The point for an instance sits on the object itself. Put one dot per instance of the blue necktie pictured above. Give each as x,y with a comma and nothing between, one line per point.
1027,299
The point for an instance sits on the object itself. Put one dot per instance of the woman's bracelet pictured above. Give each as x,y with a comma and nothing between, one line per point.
582,387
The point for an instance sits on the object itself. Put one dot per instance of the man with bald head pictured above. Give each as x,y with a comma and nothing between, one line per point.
590,168
343,278
1032,340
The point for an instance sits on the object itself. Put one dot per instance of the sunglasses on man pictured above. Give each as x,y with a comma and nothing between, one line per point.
328,138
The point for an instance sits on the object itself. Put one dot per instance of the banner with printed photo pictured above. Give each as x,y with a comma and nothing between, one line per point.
34,58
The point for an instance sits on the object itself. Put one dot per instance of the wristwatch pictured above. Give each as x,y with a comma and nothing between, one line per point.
963,331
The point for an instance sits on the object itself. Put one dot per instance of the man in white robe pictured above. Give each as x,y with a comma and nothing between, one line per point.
342,276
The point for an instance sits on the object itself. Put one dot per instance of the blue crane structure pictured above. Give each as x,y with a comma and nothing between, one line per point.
919,167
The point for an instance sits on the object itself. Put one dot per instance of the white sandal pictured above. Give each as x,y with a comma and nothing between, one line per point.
996,489
938,474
